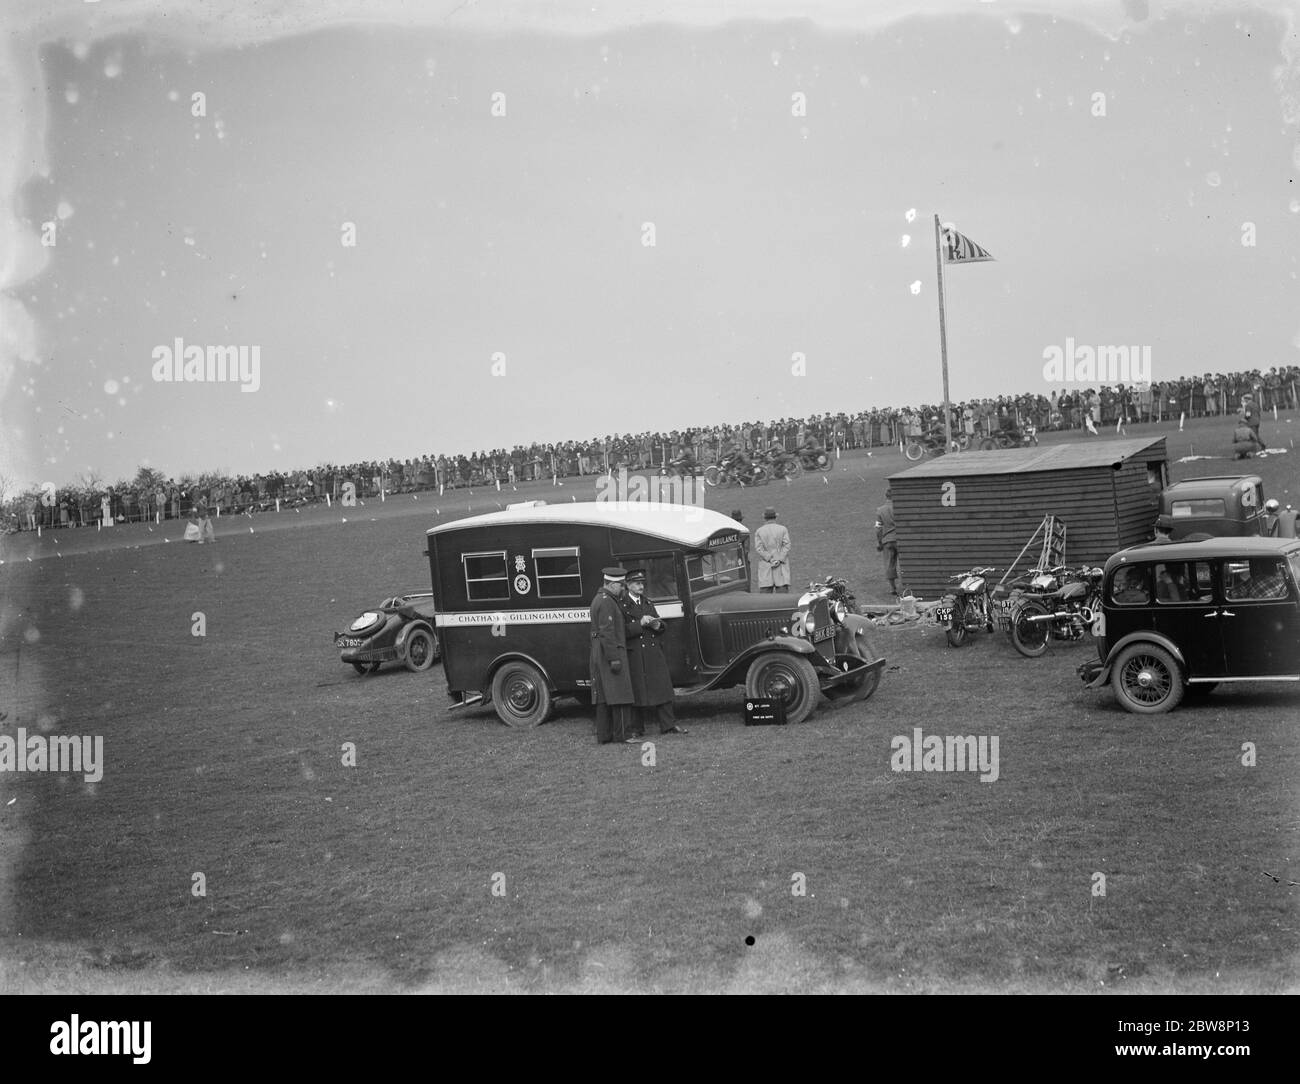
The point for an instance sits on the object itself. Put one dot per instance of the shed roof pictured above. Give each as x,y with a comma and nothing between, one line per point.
684,524
1054,457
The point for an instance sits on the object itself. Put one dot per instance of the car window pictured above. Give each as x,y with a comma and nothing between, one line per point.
1129,586
1295,566
1259,579
1203,507
1184,581
660,576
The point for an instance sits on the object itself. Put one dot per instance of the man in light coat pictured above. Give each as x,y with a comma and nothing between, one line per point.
772,547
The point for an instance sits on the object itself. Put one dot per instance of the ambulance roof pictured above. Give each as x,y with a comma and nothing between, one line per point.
686,525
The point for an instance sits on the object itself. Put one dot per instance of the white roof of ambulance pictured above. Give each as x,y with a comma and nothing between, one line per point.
686,524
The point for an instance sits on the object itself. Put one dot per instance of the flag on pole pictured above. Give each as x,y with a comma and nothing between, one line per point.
959,249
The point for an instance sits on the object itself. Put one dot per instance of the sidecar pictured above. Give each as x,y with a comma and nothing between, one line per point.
400,629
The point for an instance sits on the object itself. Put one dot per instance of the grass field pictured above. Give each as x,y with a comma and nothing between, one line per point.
223,757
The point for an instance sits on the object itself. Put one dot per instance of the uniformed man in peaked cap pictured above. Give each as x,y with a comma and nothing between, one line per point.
652,683
611,680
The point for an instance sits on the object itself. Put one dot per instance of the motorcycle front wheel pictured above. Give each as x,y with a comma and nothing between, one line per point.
759,477
914,451
792,470
713,475
1029,636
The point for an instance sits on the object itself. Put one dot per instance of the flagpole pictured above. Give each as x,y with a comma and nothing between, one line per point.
943,335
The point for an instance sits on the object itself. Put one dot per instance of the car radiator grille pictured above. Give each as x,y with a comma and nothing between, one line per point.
741,634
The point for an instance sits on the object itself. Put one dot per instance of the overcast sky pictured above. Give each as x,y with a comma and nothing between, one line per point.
1133,168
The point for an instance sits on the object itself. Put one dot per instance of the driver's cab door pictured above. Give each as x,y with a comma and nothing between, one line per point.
666,587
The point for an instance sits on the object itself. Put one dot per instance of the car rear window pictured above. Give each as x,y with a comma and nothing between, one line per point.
1206,506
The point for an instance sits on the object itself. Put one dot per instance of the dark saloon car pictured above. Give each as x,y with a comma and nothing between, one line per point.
399,629
1182,617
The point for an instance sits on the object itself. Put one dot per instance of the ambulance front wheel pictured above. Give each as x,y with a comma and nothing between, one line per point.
521,695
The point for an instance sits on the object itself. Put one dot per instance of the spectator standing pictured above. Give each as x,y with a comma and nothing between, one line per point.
887,540
772,544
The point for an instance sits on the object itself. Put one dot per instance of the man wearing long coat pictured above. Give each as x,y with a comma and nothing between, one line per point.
611,680
772,545
652,683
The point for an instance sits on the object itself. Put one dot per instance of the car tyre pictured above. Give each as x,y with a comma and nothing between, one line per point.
784,676
1030,637
421,650
1147,680
520,694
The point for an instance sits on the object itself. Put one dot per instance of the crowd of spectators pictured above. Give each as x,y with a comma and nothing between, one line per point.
151,496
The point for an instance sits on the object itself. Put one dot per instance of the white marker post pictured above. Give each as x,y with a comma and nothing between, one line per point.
1181,418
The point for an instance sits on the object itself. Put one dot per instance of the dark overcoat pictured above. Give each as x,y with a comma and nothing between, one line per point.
652,683
609,645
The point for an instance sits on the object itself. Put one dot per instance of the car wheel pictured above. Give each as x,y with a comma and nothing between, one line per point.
421,650
1030,637
712,475
520,694
1147,680
914,451
786,677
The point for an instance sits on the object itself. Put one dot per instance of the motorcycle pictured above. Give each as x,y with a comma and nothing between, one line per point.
931,443
814,459
1010,438
728,473
1066,613
682,466
852,650
781,465
969,608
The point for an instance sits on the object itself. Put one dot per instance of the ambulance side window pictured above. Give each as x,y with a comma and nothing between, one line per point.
486,577
559,574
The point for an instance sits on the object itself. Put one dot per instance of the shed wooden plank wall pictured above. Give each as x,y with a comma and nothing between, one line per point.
995,514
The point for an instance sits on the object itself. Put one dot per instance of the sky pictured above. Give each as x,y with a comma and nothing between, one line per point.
434,226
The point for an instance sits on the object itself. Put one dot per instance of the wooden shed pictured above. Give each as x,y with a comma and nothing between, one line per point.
980,508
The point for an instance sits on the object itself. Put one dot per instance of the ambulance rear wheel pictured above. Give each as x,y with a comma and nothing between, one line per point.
520,695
